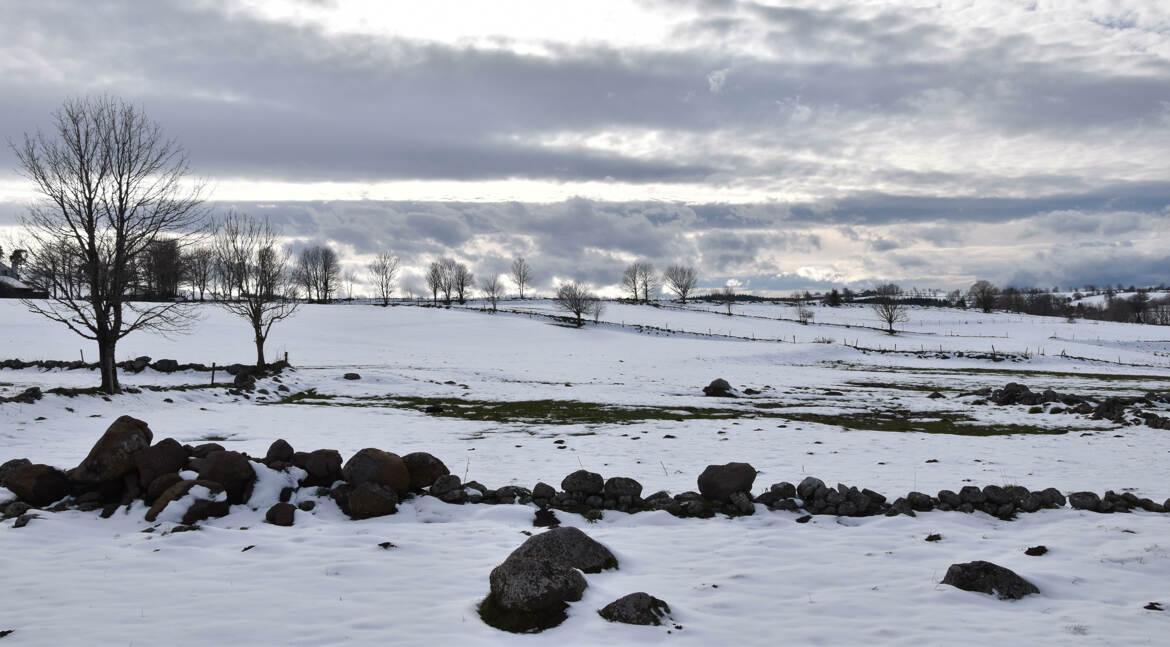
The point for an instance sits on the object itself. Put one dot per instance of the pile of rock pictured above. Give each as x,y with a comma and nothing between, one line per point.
1122,410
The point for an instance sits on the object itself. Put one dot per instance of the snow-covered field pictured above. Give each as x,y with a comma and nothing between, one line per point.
73,578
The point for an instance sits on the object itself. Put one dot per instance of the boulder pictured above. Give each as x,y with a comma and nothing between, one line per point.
620,486
323,467
445,484
352,376
636,609
371,499
11,465
244,381
211,502
567,546
201,451
424,469
113,455
530,595
165,366
281,514
543,491
719,388
38,485
719,482
159,485
372,465
992,579
279,452
1085,501
583,482
166,456
233,471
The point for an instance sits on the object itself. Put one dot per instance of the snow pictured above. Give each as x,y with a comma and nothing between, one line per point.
74,578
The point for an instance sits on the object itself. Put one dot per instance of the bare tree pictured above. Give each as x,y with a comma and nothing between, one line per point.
576,299
111,184
447,268
726,296
492,289
521,274
198,266
889,307
319,272
462,281
349,279
161,269
383,271
261,276
680,279
983,295
804,314
647,279
630,281
434,279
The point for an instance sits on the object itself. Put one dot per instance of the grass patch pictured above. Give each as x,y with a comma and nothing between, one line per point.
1106,377
545,412
927,423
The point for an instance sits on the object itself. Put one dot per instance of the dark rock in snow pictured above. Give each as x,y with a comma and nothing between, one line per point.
323,467
1085,501
166,456
11,465
807,488
530,595
636,609
718,482
985,577
583,482
1036,551
201,451
371,499
38,485
204,507
279,452
352,376
372,465
567,546
719,388
281,514
424,469
233,471
113,454
545,518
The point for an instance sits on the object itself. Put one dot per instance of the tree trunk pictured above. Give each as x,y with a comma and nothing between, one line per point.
107,366
259,351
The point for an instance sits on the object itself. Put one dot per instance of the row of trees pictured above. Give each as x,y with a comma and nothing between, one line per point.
641,280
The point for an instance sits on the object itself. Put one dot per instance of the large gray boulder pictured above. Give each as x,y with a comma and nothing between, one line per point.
719,482
112,457
569,547
992,579
529,595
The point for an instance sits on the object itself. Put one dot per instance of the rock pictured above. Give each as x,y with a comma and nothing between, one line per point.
233,471
166,456
636,609
1036,551
445,484
949,498
244,381
16,508
620,486
23,520
719,388
567,546
279,452
971,494
165,366
1111,408
1085,501
204,507
307,506
808,488
281,514
424,469
1014,393
985,577
997,495
38,485
935,395
583,482
920,502
543,491
742,503
372,465
201,451
545,518
113,454
371,499
530,595
934,537
323,467
11,465
161,484
352,376
719,482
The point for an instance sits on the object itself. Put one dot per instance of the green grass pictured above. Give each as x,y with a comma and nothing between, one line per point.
928,423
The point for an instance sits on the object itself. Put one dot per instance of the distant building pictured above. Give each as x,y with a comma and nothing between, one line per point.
12,287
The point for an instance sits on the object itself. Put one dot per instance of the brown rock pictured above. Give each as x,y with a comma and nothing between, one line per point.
38,485
372,465
113,454
199,510
166,456
233,471
424,469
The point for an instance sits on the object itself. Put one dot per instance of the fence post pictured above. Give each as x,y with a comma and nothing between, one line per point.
213,374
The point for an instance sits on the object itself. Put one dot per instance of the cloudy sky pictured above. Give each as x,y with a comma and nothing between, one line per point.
779,146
